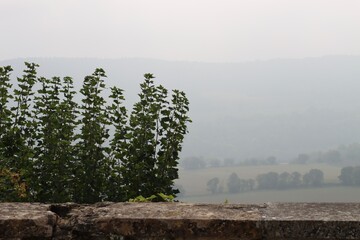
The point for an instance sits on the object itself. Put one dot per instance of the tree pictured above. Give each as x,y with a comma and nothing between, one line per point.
5,96
295,179
314,177
268,180
56,123
271,160
284,180
171,133
46,151
54,150
302,159
193,163
234,183
346,176
18,140
156,132
118,145
92,162
251,184
350,176
68,113
356,176
213,185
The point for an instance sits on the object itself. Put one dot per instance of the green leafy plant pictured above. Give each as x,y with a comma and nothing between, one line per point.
142,199
93,161
64,151
166,198
18,140
12,188
160,197
118,145
155,134
56,123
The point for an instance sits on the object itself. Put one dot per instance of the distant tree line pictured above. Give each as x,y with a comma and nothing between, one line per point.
53,149
343,155
270,180
350,176
192,163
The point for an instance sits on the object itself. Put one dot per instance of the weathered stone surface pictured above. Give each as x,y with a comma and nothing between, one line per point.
26,221
312,221
163,220
180,221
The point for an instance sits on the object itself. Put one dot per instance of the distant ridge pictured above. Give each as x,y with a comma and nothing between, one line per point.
279,107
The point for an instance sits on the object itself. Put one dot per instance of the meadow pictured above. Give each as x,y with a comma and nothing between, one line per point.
194,183
325,194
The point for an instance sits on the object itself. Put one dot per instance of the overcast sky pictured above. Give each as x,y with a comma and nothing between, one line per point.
191,30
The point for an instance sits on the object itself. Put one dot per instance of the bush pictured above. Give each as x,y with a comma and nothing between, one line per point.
38,139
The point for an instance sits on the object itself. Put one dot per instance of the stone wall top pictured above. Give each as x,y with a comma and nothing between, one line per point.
180,221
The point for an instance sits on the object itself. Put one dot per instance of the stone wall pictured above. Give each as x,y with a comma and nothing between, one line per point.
180,221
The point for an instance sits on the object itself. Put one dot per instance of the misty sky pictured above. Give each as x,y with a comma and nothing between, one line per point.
191,30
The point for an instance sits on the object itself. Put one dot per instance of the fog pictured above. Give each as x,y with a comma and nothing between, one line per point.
265,78
257,109
201,30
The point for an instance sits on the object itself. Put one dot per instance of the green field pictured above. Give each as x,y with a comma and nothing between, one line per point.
326,194
194,183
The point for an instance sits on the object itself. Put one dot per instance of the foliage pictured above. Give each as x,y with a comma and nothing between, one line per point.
191,163
18,139
289,180
302,159
155,133
314,177
236,184
213,185
5,96
342,155
93,163
268,180
160,197
12,188
118,145
55,122
350,176
284,180
55,150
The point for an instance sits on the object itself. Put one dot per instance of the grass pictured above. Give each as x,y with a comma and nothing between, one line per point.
194,182
326,194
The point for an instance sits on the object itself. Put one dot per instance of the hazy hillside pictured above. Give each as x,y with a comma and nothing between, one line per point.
240,110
